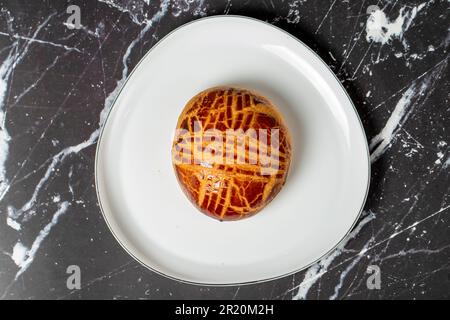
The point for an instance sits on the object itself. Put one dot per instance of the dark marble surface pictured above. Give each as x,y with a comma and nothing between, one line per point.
55,82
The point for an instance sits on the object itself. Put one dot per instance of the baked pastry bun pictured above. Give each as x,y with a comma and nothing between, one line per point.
231,152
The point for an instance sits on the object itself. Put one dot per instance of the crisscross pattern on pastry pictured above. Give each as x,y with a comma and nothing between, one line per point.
223,164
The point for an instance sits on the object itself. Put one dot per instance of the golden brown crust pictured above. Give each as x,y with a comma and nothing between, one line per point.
224,190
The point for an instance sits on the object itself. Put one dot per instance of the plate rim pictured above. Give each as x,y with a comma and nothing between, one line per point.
114,103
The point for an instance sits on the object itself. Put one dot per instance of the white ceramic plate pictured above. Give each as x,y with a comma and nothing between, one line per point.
139,194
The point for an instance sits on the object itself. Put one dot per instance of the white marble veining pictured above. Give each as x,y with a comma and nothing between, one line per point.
393,61
21,255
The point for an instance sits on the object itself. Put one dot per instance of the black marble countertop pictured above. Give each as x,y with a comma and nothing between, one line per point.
392,57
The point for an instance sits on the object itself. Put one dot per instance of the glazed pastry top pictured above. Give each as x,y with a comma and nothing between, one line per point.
231,152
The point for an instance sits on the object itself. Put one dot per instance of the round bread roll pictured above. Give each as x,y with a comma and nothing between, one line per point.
231,152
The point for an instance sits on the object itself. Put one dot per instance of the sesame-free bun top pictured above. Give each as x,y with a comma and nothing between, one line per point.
231,152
